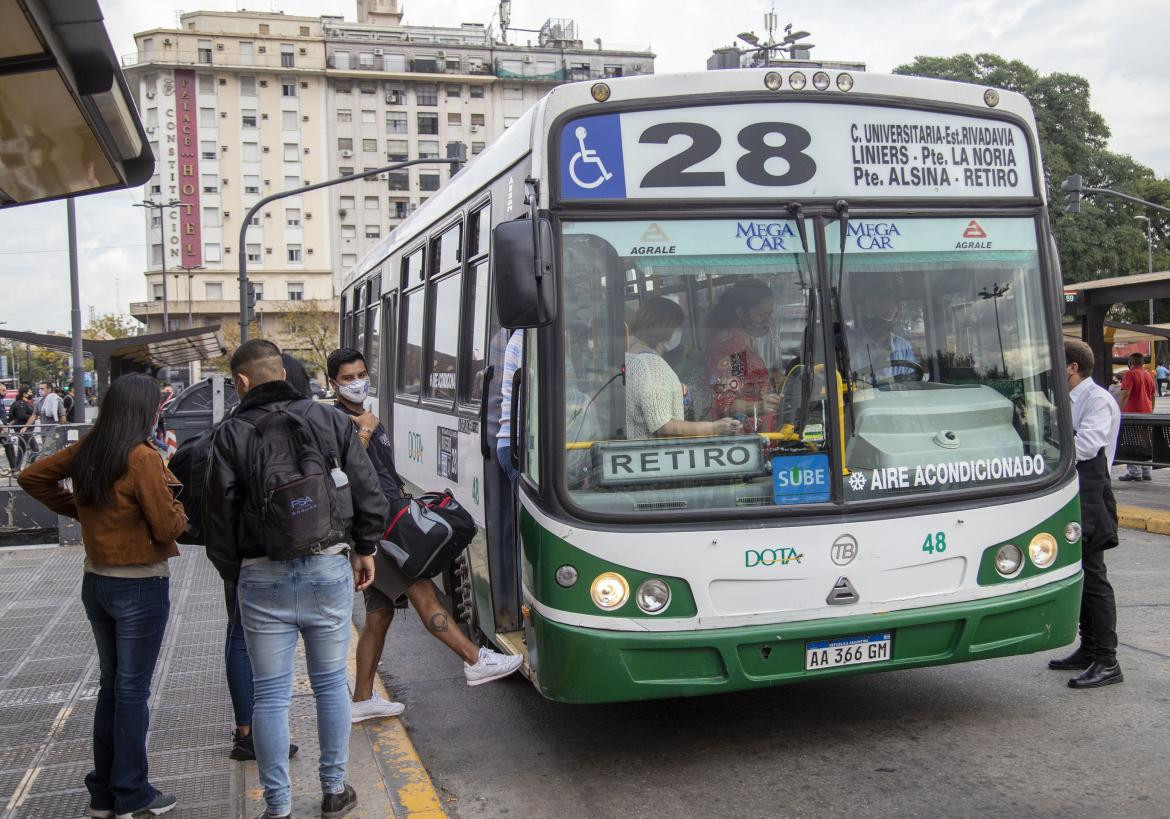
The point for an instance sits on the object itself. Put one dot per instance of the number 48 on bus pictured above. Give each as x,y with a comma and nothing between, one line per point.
935,542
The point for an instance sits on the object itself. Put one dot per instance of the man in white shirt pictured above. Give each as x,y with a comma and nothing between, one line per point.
1096,420
48,406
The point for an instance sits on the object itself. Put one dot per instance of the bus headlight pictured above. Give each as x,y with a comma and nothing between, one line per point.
773,80
599,91
796,80
653,596
820,81
1009,560
1043,550
991,97
609,591
845,82
566,576
1072,532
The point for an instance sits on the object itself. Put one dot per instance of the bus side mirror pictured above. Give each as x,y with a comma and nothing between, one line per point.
525,276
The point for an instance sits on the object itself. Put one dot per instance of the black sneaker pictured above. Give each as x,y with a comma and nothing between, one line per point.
334,805
162,803
244,750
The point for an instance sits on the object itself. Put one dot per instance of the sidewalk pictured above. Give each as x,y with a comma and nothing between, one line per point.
48,685
1143,505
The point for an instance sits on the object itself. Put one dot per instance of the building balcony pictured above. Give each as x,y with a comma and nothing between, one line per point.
205,308
201,59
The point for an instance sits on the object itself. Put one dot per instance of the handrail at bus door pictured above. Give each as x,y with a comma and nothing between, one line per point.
514,429
488,374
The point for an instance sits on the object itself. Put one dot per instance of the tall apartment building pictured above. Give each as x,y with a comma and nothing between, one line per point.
240,105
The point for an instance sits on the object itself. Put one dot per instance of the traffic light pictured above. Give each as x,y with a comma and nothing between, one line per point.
251,314
1072,186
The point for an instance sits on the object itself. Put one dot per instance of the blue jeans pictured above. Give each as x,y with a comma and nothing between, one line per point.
128,617
279,600
235,658
504,456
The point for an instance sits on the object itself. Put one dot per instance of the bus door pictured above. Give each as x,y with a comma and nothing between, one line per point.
389,360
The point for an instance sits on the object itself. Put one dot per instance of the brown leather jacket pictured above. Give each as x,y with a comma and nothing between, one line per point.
142,523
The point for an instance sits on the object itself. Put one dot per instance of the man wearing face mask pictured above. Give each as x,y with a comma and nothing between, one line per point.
391,588
877,344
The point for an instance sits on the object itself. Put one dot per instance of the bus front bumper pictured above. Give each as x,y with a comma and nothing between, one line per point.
576,664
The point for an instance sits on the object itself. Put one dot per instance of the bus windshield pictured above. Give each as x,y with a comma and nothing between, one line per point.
696,374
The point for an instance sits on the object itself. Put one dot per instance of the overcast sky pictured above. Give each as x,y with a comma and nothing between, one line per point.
1120,46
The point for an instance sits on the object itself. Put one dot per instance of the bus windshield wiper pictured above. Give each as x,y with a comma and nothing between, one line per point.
810,314
840,333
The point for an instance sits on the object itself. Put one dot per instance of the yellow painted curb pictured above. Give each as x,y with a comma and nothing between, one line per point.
1143,520
408,784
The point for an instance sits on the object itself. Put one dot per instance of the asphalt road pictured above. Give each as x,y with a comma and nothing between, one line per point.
995,738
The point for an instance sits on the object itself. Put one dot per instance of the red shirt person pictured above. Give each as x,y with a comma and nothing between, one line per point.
738,377
1137,396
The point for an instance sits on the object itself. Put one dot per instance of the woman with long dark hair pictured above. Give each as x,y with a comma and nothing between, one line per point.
21,420
126,501
740,382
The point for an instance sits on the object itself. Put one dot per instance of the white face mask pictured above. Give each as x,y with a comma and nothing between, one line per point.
675,339
355,391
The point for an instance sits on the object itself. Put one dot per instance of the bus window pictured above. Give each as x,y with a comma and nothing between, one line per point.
694,366
374,339
343,340
412,269
410,346
444,338
475,340
359,320
479,231
445,253
950,368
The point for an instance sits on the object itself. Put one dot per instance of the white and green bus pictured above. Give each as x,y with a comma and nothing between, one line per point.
791,402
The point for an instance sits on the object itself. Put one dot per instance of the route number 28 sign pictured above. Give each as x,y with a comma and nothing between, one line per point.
792,149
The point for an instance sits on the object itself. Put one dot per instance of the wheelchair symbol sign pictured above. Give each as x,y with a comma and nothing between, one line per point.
591,158
587,157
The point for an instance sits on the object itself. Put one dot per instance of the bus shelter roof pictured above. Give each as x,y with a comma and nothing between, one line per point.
153,351
1122,289
68,124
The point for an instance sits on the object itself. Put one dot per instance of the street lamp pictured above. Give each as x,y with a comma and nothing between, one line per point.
997,292
1149,255
160,207
189,270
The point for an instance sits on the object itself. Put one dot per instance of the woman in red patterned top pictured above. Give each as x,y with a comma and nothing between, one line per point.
741,385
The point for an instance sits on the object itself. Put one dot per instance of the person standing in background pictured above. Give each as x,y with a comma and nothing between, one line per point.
1137,397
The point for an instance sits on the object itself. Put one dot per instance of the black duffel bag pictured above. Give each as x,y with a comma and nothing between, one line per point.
426,533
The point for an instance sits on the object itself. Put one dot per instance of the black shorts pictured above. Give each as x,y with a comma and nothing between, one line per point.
388,591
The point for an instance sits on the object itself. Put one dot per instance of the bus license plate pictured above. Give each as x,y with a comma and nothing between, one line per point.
873,648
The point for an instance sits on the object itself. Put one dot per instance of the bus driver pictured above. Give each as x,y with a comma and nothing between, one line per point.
879,354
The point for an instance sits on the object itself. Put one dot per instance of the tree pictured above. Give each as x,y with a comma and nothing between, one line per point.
1103,239
312,331
111,325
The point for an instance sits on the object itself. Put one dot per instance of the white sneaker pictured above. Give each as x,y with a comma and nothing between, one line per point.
374,708
491,666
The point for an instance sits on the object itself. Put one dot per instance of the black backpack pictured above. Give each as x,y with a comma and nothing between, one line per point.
426,533
189,464
294,504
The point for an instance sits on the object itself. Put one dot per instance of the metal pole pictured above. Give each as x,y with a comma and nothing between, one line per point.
163,233
75,317
1150,258
243,255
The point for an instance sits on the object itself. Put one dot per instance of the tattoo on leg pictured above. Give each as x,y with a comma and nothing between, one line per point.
438,621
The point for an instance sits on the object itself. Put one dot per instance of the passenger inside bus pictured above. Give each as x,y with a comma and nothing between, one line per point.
654,394
741,383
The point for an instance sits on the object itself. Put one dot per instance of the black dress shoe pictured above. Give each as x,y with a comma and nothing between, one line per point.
1079,660
1098,674
1128,478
